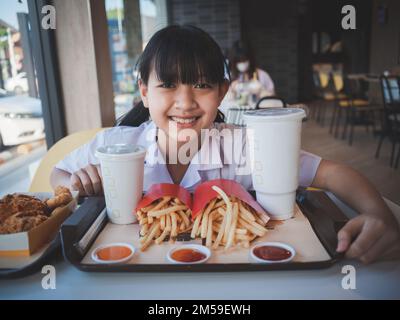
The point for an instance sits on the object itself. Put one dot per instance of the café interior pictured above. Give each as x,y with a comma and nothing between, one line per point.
341,66
347,79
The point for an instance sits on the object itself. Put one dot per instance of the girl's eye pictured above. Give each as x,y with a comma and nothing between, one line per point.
167,85
202,86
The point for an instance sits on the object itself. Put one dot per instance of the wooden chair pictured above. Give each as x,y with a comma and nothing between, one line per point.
41,179
235,115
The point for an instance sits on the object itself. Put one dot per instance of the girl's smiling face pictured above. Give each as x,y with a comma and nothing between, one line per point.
182,106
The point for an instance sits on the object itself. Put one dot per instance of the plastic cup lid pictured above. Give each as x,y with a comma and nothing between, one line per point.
120,151
273,114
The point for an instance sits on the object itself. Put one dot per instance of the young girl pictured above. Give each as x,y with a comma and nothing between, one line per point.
182,82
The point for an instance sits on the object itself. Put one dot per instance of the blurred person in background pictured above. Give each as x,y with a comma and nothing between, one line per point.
244,70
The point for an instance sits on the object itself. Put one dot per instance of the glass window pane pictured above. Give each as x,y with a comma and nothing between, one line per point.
22,134
130,26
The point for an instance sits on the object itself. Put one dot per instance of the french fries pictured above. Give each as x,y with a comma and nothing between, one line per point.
229,222
225,221
162,218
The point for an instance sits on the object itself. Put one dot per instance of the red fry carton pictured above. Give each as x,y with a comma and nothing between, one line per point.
160,190
204,194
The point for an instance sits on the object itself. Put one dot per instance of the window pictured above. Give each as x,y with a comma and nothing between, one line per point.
24,108
130,26
22,134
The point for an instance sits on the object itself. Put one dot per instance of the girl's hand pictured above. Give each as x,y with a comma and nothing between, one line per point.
87,181
369,238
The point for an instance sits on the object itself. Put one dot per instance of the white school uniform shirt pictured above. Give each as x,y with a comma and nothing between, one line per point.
198,171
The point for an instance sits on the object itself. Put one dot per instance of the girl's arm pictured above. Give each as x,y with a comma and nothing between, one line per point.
372,234
86,180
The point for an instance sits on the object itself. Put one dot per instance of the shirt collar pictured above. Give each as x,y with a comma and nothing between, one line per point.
207,158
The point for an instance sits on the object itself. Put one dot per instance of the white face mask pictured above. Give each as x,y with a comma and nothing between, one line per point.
243,66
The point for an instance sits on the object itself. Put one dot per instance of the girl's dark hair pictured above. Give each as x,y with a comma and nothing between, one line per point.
241,51
179,54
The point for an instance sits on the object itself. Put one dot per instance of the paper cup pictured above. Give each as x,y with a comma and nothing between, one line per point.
275,138
122,169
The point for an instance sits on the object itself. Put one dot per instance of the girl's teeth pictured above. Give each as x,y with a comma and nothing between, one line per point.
181,120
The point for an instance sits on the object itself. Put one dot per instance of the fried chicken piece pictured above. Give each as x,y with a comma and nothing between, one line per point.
14,203
24,203
22,221
19,213
5,208
60,190
62,196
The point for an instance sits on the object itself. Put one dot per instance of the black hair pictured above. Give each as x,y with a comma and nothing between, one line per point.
180,54
239,52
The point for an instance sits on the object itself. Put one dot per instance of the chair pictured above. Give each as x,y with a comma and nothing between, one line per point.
324,92
339,96
356,106
41,179
390,88
271,102
235,115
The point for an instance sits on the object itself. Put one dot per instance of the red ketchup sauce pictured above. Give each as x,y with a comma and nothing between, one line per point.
113,253
187,255
272,253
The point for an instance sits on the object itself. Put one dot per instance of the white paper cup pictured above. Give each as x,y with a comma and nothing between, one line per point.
122,169
275,139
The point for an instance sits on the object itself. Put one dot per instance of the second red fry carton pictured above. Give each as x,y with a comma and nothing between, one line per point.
204,194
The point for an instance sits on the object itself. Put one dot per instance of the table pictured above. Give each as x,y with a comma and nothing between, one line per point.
377,281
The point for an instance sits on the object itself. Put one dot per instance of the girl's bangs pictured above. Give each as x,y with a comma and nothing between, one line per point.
188,62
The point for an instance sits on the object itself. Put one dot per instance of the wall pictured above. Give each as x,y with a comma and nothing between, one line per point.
85,64
385,39
271,28
220,18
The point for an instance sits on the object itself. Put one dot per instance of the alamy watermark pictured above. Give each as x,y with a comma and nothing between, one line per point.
49,280
349,18
349,280
49,19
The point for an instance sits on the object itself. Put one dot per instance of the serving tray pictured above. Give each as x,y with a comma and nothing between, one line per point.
312,232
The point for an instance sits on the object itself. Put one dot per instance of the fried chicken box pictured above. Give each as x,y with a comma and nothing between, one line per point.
26,243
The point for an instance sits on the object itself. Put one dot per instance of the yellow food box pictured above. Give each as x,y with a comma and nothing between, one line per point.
26,243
